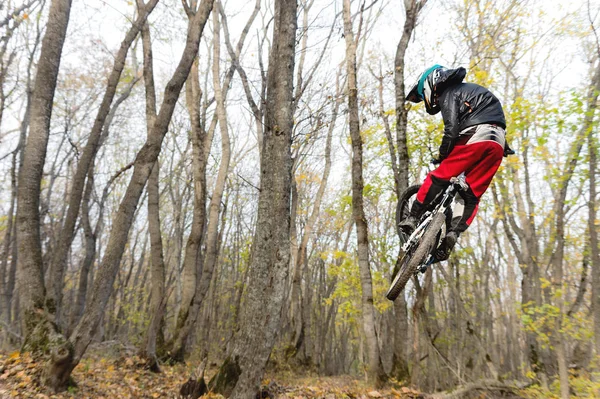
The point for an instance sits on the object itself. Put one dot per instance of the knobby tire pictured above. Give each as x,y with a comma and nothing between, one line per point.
408,267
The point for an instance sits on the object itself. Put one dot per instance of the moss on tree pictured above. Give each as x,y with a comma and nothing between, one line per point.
224,381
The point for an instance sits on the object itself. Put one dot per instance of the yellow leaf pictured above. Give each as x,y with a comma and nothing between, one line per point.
530,374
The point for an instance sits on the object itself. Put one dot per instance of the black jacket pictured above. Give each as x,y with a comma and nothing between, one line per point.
464,105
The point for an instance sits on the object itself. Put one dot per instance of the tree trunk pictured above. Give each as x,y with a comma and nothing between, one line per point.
192,261
257,109
374,370
593,232
241,373
157,295
145,160
400,369
86,274
58,263
90,255
9,242
17,162
30,276
298,321
212,232
201,144
528,255
557,257
412,8
400,161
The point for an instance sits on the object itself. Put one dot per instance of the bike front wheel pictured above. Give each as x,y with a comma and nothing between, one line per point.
410,262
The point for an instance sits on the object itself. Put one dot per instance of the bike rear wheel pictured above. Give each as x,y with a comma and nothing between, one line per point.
410,262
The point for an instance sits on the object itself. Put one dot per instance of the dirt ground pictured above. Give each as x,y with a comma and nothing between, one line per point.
123,377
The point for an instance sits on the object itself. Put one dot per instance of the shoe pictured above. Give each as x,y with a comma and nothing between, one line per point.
408,225
445,249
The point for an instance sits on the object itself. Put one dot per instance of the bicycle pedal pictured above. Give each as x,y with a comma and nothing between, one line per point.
423,268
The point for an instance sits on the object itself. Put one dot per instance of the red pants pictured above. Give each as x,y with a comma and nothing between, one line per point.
479,161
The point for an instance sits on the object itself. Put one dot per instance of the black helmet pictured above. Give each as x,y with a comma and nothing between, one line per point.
431,83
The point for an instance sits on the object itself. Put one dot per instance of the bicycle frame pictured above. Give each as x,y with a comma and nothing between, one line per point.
419,250
456,184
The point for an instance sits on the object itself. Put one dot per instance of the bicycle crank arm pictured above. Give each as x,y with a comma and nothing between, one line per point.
423,268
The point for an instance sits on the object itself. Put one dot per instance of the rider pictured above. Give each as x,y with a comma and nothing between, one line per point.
474,143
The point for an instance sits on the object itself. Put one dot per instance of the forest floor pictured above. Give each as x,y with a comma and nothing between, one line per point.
122,377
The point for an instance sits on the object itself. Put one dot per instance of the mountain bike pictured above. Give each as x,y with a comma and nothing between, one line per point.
419,249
